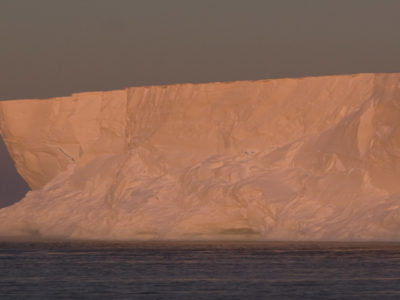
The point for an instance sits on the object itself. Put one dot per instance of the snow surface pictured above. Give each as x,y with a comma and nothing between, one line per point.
313,158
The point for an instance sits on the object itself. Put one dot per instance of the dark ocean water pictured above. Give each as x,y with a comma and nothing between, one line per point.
202,270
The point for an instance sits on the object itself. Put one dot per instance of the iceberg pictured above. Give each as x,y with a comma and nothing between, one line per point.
315,158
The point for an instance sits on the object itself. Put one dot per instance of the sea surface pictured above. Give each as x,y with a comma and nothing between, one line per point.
199,270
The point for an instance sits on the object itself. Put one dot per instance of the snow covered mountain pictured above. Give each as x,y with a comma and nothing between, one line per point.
314,158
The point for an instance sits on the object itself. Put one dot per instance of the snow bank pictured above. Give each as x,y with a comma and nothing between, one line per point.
313,158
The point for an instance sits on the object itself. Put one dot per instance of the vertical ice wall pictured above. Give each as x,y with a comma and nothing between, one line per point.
305,158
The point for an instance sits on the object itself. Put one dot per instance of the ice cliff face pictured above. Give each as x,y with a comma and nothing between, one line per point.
290,159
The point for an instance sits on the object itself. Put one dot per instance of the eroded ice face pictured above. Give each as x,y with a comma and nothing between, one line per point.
312,159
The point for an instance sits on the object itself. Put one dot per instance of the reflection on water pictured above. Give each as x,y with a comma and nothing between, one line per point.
201,270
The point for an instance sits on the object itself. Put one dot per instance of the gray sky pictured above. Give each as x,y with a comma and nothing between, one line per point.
56,47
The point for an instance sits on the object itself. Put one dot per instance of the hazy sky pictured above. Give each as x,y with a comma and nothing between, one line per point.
56,47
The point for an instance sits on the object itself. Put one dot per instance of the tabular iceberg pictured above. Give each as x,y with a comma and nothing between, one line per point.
314,158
